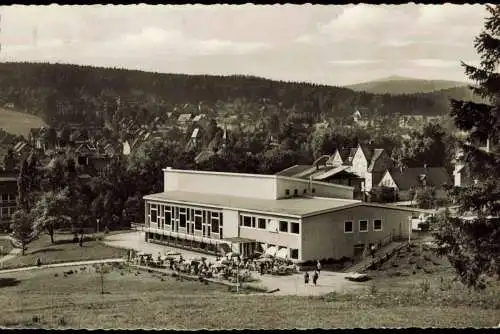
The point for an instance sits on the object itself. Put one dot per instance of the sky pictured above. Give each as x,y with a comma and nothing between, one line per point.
334,45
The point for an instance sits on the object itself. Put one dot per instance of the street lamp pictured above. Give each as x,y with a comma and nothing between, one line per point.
409,229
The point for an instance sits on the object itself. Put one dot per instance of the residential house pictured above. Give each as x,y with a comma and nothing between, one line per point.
462,174
8,197
405,180
193,140
359,167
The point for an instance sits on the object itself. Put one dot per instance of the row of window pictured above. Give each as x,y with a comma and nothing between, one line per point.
6,212
269,224
362,226
296,191
175,217
8,198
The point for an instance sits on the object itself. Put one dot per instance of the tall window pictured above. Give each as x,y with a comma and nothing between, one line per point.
283,226
154,216
377,225
294,253
294,228
168,215
262,223
363,226
182,219
348,227
215,225
197,220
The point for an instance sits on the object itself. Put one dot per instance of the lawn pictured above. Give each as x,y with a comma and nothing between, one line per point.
19,123
63,250
47,299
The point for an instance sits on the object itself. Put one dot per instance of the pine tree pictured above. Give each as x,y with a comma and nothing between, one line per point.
22,228
472,245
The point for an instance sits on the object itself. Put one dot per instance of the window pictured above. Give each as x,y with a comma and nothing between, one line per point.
377,225
215,225
262,223
154,216
294,228
220,219
295,192
348,227
287,192
168,215
363,226
5,197
182,219
5,212
294,253
283,226
313,190
197,222
247,221
305,191
253,222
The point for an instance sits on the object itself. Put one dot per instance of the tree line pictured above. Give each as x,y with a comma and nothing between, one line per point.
62,93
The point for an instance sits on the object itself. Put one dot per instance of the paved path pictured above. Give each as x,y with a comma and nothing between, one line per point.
294,284
64,264
135,240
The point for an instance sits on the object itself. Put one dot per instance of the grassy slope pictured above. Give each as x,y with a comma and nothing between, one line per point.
63,251
146,300
399,85
18,123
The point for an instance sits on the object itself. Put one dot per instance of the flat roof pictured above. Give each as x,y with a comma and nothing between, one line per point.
295,207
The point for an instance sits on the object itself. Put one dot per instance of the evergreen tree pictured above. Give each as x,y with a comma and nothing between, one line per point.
472,245
22,228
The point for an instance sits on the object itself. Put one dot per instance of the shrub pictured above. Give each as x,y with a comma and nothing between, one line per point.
425,286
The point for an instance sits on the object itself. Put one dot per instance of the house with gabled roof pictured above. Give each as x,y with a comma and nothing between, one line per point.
405,180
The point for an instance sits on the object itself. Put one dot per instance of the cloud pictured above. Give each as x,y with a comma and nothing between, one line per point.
148,41
439,63
354,62
394,25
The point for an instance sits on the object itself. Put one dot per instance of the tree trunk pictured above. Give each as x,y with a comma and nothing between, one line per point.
102,281
51,233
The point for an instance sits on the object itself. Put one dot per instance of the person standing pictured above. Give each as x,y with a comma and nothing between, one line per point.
306,278
315,277
372,251
318,267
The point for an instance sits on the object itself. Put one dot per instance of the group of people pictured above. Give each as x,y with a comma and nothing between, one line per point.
315,275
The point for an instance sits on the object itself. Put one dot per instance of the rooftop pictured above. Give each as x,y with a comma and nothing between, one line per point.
297,207
294,207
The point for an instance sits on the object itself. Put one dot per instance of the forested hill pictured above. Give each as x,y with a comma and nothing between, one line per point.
404,85
84,94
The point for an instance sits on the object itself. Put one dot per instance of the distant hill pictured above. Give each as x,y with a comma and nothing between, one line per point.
404,85
63,94
18,123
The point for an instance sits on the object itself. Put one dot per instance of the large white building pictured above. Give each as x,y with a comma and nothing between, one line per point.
295,218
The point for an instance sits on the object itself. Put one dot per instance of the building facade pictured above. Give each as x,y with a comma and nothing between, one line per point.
8,197
248,213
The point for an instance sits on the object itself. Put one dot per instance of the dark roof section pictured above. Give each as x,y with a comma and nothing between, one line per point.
411,177
377,153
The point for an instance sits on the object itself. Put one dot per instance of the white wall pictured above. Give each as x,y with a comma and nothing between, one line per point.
230,228
231,184
322,189
323,235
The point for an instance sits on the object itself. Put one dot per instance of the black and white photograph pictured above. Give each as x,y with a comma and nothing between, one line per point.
220,167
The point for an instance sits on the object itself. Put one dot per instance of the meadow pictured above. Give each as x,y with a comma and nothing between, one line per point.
19,123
